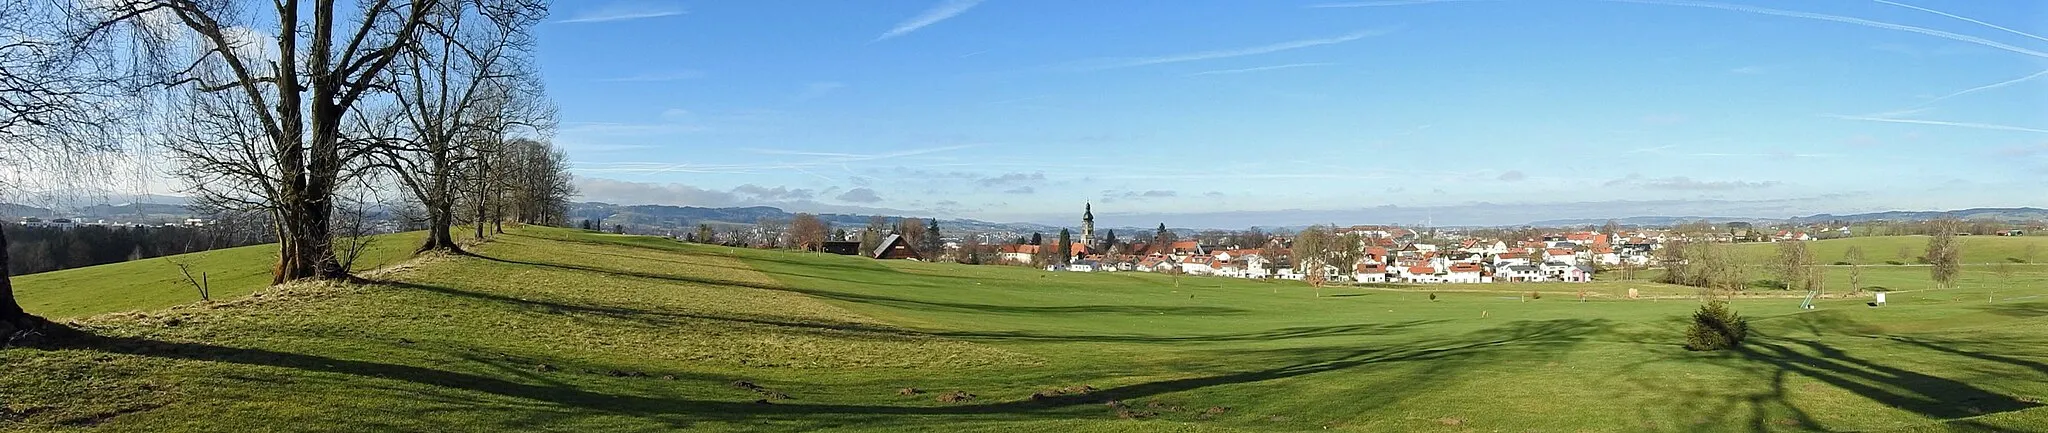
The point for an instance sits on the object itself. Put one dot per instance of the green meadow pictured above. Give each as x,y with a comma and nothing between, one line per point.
561,330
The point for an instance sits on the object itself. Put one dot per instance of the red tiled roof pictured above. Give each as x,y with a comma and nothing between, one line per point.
1421,270
1465,267
1558,252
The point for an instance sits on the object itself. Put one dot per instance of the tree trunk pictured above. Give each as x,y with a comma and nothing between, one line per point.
440,232
306,243
480,218
14,323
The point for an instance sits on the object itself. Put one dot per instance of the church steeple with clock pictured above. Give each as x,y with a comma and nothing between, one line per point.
1088,224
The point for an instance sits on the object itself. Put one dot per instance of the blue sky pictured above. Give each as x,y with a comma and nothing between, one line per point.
1234,113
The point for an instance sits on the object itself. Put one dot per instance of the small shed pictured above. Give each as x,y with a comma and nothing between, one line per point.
844,248
894,247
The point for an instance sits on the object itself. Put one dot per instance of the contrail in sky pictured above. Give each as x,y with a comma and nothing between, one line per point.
1946,14
1942,123
1841,19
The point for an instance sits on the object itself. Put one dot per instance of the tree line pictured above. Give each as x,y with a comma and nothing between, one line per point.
308,112
44,249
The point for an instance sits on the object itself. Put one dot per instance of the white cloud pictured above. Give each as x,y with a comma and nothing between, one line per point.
860,195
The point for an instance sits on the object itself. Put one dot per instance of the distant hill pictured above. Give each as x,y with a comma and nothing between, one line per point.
682,218
126,212
2020,214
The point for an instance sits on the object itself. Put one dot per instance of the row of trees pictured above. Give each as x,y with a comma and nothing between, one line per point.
809,232
296,109
1713,266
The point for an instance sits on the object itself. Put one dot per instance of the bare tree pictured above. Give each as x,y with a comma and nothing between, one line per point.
809,231
1794,265
770,232
2027,253
1854,255
539,187
1945,254
1855,279
871,237
56,108
912,230
296,97
1311,252
447,106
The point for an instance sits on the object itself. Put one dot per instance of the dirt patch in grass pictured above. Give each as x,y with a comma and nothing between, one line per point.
956,397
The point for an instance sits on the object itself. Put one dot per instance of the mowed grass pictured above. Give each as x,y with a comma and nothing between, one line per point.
558,330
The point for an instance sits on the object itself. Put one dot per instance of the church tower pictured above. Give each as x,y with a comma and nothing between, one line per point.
1088,224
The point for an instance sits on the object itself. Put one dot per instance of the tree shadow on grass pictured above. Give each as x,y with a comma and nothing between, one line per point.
900,302
1920,393
1773,359
1514,340
655,317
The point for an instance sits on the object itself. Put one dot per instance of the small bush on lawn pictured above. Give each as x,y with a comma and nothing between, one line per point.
1715,327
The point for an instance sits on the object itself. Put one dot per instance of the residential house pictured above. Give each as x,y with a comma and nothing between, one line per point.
1370,273
1420,275
1605,255
1018,254
1198,265
1520,273
1560,255
1511,258
1466,273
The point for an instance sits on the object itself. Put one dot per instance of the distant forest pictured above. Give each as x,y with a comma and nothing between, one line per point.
44,249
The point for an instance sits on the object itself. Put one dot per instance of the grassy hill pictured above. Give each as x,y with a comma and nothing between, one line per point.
1881,250
152,284
557,330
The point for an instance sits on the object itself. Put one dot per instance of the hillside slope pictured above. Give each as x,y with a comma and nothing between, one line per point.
156,283
558,330
1881,250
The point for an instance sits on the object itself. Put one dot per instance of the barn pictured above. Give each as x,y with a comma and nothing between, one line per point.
894,247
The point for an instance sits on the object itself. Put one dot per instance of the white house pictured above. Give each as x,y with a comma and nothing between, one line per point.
1081,267
1256,267
1421,275
1520,273
1229,269
1198,265
1606,256
1567,272
1370,273
1017,253
1465,273
1560,255
1288,274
